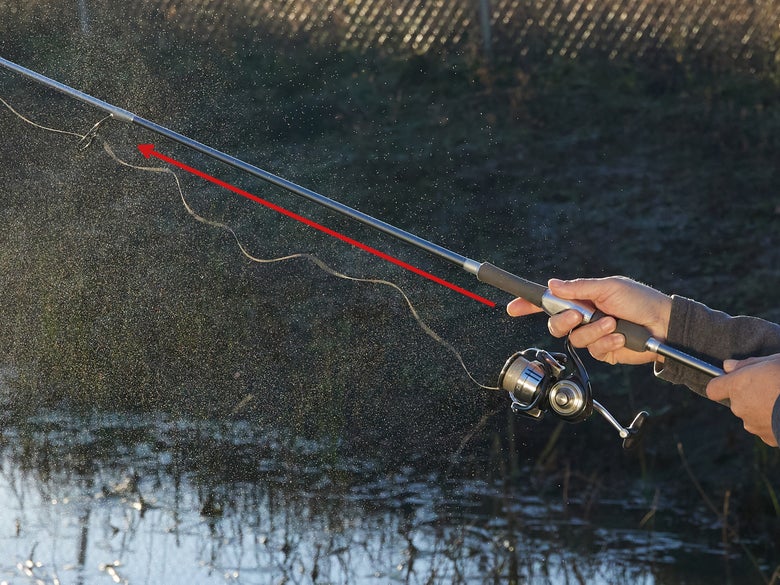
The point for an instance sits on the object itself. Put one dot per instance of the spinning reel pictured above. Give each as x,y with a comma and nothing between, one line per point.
538,381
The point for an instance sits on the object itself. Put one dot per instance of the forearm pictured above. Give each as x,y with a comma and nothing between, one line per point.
714,336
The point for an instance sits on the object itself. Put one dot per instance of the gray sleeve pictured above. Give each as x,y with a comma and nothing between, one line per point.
713,336
776,421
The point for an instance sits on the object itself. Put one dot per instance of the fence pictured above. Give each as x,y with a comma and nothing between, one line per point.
742,32
731,32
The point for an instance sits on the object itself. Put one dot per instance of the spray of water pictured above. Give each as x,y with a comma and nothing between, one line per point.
85,140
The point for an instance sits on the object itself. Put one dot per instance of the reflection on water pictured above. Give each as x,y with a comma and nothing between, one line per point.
133,500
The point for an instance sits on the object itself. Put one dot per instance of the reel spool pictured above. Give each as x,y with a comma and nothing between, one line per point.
538,381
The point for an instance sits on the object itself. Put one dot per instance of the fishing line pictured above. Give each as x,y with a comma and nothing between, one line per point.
637,337
42,127
305,256
85,140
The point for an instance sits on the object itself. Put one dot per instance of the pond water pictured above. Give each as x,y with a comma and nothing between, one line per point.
128,499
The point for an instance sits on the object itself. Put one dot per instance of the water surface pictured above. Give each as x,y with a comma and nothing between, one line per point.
130,499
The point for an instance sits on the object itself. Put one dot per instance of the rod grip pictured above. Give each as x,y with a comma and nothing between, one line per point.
511,283
636,335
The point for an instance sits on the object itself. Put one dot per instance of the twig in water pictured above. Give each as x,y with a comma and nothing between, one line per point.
653,509
728,532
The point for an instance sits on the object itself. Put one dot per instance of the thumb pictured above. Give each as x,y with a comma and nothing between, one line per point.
733,365
579,289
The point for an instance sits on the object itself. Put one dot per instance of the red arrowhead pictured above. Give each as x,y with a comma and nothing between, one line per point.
146,149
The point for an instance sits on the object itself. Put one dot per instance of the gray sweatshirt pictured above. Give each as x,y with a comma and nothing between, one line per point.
715,336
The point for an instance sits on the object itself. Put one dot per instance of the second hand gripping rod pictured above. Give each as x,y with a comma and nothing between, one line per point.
638,338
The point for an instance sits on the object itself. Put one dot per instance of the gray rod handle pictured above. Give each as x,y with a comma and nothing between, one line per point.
511,283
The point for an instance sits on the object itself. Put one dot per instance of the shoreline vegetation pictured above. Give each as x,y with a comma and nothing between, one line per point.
114,298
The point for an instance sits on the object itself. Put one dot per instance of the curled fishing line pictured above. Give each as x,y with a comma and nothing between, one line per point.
87,139
306,256
40,126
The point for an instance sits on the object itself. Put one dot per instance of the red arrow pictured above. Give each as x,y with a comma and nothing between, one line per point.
148,151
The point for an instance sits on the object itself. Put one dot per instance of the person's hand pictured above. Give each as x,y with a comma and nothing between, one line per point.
752,386
616,296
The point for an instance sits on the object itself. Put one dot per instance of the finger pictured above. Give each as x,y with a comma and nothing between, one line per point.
761,433
521,307
718,390
561,324
587,335
606,347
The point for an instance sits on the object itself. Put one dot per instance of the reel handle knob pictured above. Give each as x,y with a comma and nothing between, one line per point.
635,431
631,434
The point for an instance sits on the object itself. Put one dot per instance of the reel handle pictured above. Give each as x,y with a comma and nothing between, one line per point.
635,431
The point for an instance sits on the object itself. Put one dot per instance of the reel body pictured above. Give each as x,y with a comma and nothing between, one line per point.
539,381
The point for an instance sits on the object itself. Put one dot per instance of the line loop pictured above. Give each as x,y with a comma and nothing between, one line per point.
89,137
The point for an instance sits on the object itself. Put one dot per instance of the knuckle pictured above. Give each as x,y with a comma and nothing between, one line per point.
557,326
577,339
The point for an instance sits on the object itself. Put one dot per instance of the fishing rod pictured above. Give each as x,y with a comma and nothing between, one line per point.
537,381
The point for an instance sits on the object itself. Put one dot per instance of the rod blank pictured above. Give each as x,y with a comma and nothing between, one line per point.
637,337
126,116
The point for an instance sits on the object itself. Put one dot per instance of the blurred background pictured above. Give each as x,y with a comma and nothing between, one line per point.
175,412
